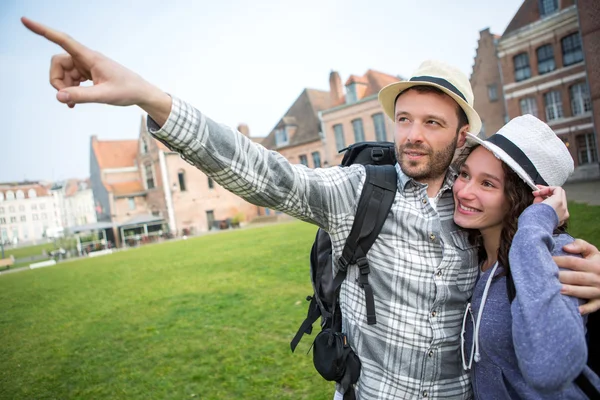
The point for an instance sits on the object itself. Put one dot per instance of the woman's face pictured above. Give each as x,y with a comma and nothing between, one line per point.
479,192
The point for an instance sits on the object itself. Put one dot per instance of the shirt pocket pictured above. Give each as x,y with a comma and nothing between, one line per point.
467,271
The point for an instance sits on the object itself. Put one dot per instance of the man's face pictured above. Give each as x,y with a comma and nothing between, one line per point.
426,134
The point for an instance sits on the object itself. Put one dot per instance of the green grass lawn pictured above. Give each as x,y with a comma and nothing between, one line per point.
584,222
29,251
207,318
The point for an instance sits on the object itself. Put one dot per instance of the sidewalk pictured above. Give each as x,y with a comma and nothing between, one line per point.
584,192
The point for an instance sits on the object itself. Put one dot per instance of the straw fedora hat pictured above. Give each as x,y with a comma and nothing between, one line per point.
444,77
531,149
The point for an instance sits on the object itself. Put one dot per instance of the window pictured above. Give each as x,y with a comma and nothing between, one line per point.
359,133
586,149
303,159
571,49
548,7
181,178
149,176
545,58
143,146
316,156
34,206
2,220
529,106
32,194
522,70
10,195
21,208
42,206
11,209
351,96
379,123
492,92
211,183
339,137
34,217
1,210
553,105
580,98
13,219
20,195
131,203
210,218
23,218
281,137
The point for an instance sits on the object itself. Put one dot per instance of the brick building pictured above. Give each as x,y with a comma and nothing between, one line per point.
355,114
541,70
141,181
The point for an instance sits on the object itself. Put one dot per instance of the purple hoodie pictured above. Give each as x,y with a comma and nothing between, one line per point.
535,347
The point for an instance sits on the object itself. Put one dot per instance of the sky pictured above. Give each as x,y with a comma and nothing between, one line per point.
237,61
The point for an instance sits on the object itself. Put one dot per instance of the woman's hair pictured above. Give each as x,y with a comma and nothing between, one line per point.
518,196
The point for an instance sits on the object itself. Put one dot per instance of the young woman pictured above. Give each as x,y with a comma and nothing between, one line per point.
522,338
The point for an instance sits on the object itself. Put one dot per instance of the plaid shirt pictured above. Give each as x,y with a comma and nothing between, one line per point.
422,267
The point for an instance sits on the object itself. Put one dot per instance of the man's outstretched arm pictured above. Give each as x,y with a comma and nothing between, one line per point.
325,197
583,278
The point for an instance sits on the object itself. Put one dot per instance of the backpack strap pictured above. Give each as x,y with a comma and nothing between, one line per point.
373,208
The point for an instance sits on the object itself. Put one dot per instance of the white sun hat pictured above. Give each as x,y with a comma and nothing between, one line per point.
531,149
448,79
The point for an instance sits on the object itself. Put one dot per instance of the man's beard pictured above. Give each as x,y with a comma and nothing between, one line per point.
434,165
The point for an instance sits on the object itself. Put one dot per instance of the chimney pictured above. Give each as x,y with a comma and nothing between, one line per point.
336,91
244,130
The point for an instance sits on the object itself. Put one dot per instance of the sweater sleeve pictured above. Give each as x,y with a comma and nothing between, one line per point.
323,196
548,330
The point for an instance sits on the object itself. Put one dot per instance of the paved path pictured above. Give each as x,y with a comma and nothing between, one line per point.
584,192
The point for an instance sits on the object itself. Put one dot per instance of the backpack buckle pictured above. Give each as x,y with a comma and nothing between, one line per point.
343,264
363,265
377,154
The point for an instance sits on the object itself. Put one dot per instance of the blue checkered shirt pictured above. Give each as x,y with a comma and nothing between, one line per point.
423,268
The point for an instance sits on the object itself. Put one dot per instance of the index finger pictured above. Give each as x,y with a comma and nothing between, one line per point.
573,263
70,45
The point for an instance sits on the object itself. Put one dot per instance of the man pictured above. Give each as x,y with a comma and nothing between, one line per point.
422,267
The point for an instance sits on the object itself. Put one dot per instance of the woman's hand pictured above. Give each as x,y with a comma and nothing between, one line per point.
556,197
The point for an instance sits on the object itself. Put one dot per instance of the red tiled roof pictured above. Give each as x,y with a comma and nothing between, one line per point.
115,153
124,188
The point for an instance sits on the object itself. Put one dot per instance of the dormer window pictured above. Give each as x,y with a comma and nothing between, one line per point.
548,7
281,137
351,96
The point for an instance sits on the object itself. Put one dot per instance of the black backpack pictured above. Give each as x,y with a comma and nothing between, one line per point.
332,356
593,330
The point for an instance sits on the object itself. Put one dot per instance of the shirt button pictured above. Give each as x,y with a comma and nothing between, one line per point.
425,394
430,353
424,201
439,273
433,313
432,236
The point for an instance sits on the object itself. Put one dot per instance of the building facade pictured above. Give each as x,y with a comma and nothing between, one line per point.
28,212
542,69
141,179
75,202
355,114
